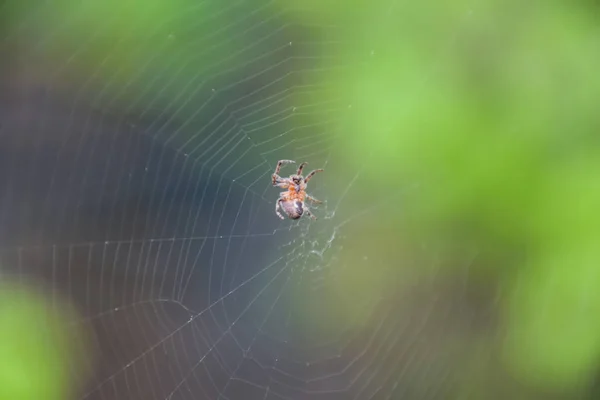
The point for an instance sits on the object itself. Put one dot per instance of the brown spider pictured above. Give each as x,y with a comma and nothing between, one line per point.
292,200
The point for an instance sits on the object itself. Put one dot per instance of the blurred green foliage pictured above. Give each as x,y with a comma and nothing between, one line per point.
491,106
33,348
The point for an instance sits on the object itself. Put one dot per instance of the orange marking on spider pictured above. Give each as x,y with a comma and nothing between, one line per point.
292,200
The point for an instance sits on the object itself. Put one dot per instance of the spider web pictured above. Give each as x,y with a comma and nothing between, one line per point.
142,194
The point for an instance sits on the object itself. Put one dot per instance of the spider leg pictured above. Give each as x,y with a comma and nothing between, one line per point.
309,213
275,177
313,199
281,163
277,209
312,174
300,168
279,181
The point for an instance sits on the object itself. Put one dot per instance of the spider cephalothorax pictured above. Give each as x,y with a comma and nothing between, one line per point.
292,200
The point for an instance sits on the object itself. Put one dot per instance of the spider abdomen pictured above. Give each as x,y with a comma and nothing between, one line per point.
293,208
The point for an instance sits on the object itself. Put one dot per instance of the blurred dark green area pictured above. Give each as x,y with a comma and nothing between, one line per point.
483,116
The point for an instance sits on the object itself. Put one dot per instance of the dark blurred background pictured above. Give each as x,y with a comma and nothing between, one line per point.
454,257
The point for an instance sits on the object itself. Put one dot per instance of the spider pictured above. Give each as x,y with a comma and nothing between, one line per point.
292,200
